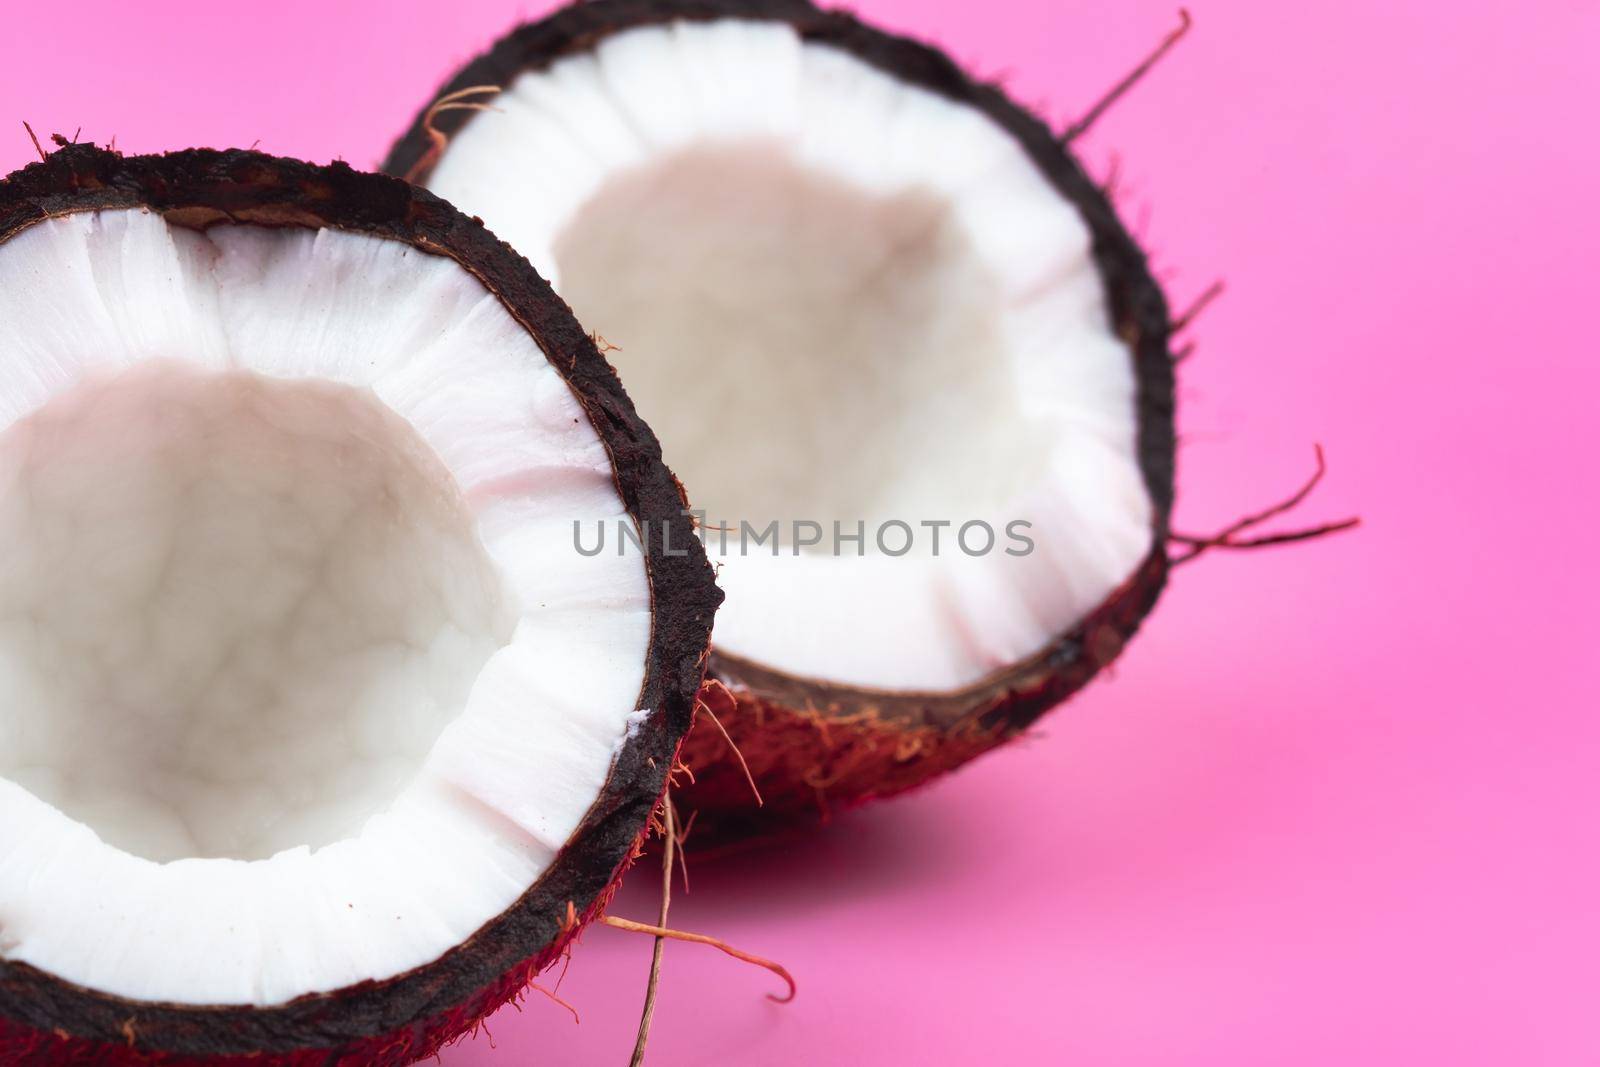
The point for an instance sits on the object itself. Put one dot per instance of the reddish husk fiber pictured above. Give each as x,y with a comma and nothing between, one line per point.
814,747
45,1020
811,749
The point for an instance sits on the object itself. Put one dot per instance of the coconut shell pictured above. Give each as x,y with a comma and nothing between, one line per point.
814,747
45,1020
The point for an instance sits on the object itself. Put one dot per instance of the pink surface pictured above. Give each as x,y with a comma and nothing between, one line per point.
1339,803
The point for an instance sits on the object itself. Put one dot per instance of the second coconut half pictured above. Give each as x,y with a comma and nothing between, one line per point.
897,344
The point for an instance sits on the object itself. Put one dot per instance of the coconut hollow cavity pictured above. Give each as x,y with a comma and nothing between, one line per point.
900,301
317,738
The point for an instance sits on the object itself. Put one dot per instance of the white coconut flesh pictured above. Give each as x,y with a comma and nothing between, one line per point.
301,681
836,297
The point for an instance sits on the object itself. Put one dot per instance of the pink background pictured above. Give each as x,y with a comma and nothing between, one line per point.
1338,804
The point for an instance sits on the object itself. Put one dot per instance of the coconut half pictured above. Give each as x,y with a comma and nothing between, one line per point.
317,739
919,341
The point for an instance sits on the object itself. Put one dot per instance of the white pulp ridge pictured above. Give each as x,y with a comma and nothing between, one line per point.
836,298
301,680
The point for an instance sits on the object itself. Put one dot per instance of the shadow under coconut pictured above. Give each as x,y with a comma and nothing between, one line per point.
804,868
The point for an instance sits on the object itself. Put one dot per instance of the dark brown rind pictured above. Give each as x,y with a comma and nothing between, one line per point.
46,1020
975,718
